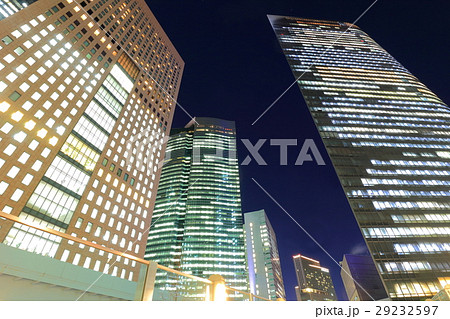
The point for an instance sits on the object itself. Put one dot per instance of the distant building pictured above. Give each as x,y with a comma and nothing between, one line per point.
314,281
263,260
361,269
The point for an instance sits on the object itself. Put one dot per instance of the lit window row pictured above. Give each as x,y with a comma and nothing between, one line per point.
421,248
395,232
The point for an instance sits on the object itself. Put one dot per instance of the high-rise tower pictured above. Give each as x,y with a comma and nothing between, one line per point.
81,83
314,281
264,267
388,137
197,225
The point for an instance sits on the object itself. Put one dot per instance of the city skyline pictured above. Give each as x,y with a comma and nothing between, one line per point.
257,74
303,177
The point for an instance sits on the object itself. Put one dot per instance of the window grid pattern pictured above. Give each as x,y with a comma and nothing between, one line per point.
51,68
387,136
198,222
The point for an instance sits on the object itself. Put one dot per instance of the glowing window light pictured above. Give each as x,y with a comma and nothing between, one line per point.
17,116
24,86
42,132
19,137
25,28
11,77
17,194
21,68
4,106
3,86
36,38
16,33
53,141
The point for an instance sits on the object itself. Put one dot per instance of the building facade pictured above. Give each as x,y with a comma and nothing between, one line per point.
197,225
388,137
443,294
314,281
82,84
9,7
361,279
263,260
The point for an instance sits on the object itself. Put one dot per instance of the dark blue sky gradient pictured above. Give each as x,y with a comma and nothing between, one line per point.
235,69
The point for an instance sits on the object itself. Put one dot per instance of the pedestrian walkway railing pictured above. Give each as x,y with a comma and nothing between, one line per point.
155,282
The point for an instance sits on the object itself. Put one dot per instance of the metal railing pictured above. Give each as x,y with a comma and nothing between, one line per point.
215,285
249,294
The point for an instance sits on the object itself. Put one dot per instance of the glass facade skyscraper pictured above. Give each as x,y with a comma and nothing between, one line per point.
264,267
197,222
314,281
388,137
80,82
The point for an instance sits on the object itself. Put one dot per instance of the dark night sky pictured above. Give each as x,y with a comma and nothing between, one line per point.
235,69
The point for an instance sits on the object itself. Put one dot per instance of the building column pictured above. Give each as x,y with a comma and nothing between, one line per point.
149,285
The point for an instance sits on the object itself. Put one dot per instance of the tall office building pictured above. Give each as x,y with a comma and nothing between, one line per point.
388,137
264,267
81,85
361,279
197,226
314,281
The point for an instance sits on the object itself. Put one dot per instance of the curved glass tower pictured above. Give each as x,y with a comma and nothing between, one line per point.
197,222
388,137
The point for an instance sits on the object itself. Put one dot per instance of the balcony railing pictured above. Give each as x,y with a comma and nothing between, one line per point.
214,287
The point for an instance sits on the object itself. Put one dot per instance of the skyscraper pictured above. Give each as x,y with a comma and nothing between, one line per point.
264,267
197,225
81,83
361,279
387,135
314,281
